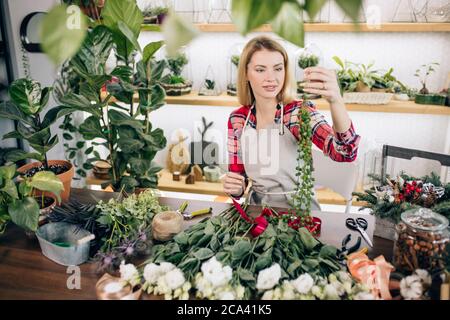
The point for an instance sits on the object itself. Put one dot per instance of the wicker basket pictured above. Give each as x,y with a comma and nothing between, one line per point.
367,97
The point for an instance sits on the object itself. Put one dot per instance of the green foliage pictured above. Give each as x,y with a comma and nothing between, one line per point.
28,99
131,142
210,84
306,61
17,202
235,60
225,236
423,72
301,201
62,32
383,208
123,218
176,64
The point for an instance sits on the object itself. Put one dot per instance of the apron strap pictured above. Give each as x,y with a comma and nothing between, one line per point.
280,131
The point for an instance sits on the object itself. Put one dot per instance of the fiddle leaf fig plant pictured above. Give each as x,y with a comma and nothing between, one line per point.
28,99
18,201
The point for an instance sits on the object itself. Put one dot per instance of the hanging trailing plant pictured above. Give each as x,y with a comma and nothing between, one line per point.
305,182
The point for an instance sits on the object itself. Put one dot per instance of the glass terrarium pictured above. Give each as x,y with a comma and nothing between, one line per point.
438,11
176,81
233,58
209,86
309,56
194,11
219,11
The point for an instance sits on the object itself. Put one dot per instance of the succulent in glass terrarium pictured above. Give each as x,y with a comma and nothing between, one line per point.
174,83
234,56
309,56
209,87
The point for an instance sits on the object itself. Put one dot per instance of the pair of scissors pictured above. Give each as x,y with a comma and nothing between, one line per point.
360,225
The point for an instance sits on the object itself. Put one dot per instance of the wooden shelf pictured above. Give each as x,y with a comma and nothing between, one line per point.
165,183
394,106
328,27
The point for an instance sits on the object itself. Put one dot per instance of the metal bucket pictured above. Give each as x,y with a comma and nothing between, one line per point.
59,243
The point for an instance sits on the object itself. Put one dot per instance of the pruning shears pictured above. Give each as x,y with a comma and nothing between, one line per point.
190,215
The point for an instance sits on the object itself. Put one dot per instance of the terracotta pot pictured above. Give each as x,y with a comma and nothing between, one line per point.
361,87
65,177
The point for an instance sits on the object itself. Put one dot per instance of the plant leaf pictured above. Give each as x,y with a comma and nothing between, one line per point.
350,7
47,181
26,94
203,253
177,32
288,24
150,49
91,128
25,213
129,35
250,14
62,32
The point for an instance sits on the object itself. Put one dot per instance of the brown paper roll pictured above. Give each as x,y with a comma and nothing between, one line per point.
166,225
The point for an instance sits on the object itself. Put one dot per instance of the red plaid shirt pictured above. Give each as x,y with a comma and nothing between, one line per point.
341,147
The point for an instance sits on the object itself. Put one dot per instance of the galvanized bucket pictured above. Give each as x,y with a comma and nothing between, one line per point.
64,243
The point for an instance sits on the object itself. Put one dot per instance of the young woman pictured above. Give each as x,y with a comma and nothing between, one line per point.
263,133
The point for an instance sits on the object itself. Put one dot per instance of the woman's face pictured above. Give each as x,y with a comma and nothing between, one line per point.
266,73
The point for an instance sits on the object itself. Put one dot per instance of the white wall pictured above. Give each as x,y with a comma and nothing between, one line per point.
405,52
41,69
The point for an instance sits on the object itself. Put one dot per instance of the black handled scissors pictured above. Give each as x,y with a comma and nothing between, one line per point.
360,225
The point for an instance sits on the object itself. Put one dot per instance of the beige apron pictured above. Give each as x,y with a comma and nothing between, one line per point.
269,156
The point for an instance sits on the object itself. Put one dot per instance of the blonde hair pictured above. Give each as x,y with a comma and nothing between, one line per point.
244,91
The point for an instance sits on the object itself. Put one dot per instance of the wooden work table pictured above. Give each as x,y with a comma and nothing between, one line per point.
25,273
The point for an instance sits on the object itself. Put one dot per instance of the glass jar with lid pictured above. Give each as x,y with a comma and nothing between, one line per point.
421,239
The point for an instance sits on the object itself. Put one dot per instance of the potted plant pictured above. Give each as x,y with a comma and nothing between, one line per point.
155,15
347,77
366,77
174,83
385,82
28,99
20,202
424,96
121,126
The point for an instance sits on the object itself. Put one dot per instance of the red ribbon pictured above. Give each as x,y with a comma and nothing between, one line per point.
241,211
261,222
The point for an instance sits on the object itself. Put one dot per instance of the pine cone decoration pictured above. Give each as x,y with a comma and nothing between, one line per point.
430,200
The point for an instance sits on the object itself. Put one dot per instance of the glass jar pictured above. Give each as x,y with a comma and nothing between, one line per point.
421,238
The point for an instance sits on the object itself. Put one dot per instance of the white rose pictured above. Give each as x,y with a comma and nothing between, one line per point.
151,273
129,273
217,279
330,292
343,276
364,296
268,295
411,287
317,291
226,295
165,267
339,288
269,277
240,291
211,266
303,283
174,278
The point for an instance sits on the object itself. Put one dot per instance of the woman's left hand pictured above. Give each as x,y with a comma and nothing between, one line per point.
324,82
